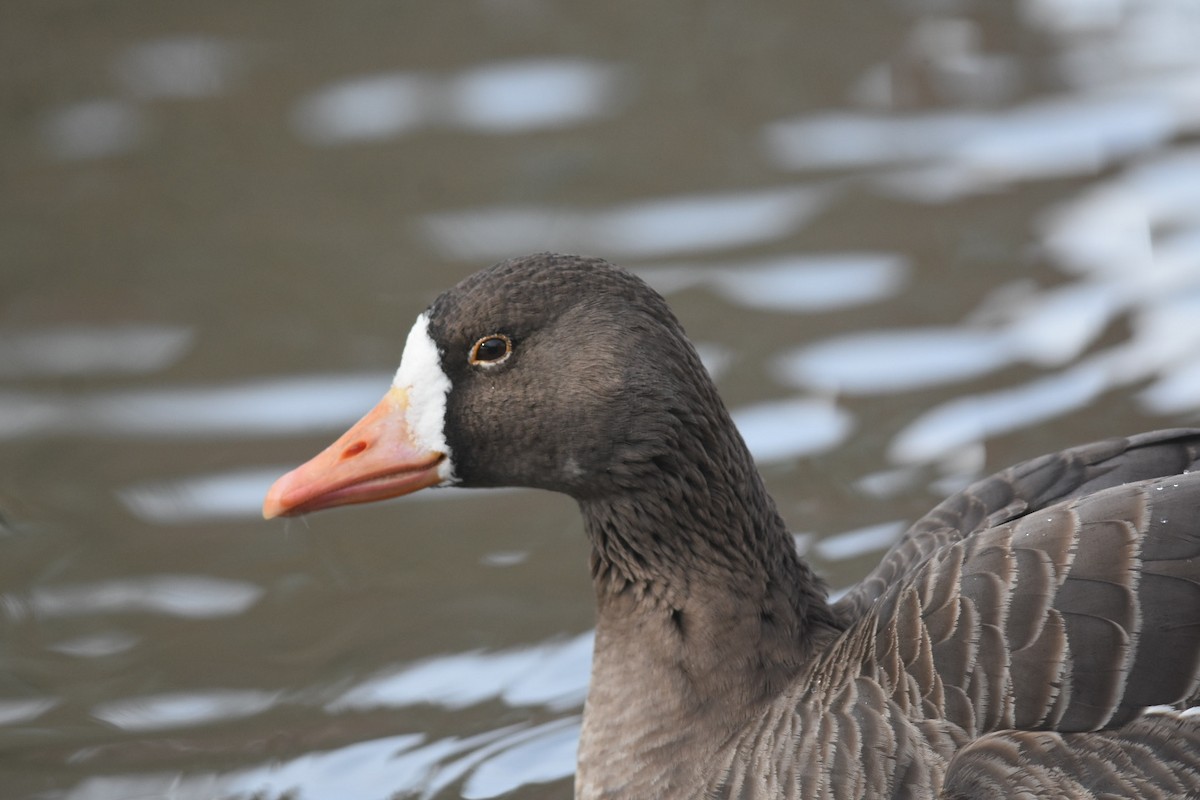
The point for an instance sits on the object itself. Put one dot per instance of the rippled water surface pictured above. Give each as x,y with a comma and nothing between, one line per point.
914,241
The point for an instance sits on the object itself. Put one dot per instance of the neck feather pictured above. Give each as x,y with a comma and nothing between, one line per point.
705,610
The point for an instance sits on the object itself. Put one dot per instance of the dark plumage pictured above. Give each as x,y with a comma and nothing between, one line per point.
1006,646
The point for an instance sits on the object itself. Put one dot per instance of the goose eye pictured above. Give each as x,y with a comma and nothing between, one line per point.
491,350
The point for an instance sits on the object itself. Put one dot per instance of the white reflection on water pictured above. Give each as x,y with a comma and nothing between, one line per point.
237,495
96,645
16,711
1139,233
80,350
1055,326
950,154
191,596
94,129
851,544
379,768
494,763
552,674
1110,229
518,755
546,756
228,495
970,418
262,408
808,282
505,558
790,428
1175,393
504,97
716,358
1109,42
690,223
1165,344
852,139
887,483
183,67
1162,346
183,709
896,360
529,95
1133,69
1072,16
1131,245
364,109
1068,137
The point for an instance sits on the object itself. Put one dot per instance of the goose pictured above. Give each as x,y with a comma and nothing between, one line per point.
1035,635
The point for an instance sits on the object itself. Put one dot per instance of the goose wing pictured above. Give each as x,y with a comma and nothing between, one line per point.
1155,757
1073,617
1026,623
1022,489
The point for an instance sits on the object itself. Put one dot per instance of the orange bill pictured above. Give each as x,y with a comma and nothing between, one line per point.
374,460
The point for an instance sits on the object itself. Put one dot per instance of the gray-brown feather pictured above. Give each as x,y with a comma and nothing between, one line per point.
1021,489
1022,629
1154,757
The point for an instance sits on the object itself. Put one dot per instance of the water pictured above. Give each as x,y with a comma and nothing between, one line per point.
914,242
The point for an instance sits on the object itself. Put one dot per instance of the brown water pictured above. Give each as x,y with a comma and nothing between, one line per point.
916,241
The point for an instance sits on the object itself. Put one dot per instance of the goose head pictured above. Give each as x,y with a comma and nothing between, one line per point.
548,371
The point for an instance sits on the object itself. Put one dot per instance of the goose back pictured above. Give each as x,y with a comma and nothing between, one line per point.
1055,603
1021,489
1154,757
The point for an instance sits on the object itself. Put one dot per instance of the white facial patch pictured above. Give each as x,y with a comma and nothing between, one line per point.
420,374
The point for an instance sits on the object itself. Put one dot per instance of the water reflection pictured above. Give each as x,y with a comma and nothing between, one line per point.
1132,245
973,418
851,544
642,229
532,95
190,596
799,283
505,97
791,428
185,67
237,495
492,763
1163,344
260,408
229,495
897,360
553,674
1176,393
1105,43
94,129
364,109
1118,228
954,153
80,350
13,712
1134,69
96,645
547,754
183,709
1054,326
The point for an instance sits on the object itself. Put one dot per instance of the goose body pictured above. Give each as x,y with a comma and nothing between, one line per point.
1036,635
